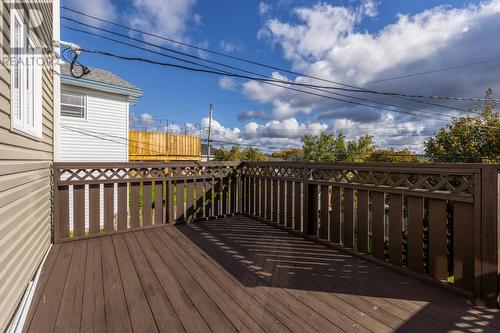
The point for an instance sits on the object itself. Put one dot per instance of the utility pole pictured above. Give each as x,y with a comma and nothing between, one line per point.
209,131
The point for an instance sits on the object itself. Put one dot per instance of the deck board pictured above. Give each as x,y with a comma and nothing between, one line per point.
235,274
93,317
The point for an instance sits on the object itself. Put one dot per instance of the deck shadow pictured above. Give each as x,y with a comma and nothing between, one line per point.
260,255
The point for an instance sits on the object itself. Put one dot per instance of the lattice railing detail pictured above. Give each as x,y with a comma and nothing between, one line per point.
202,171
397,178
273,171
446,183
72,175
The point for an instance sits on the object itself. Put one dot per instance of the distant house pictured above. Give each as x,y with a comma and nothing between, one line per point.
94,117
204,152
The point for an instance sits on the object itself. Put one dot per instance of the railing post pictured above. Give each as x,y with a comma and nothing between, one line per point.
170,197
305,200
489,235
55,206
240,191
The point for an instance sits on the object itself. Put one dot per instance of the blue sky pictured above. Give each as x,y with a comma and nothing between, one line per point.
349,41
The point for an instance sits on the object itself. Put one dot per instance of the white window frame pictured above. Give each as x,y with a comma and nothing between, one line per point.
29,102
71,92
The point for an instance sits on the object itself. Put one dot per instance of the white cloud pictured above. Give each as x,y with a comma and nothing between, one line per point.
264,8
267,136
369,7
287,128
166,18
227,83
284,106
326,41
147,117
277,134
228,46
100,8
219,132
198,19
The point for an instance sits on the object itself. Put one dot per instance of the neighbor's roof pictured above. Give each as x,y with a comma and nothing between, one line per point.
101,80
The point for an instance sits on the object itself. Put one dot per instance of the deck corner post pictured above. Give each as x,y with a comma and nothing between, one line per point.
54,199
490,236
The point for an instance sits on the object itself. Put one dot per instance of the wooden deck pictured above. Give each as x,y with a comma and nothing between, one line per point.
235,274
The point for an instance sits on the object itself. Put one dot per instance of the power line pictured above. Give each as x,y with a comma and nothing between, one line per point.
357,89
435,71
314,87
241,101
109,137
232,67
268,81
211,70
208,70
463,157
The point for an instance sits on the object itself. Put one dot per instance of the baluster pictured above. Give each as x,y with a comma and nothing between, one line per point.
289,204
135,198
147,203
122,222
323,224
395,228
297,197
362,221
94,209
438,262
416,233
348,227
378,217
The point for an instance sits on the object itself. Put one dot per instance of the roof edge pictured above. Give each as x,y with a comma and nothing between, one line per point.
133,93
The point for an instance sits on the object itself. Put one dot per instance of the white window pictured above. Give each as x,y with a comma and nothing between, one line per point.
73,105
26,79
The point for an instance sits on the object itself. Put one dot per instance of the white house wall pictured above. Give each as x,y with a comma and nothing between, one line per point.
102,137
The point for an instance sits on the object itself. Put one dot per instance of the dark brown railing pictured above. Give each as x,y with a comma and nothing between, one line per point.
438,222
434,221
93,199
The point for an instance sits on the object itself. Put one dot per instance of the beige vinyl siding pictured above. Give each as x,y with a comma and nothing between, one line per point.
25,208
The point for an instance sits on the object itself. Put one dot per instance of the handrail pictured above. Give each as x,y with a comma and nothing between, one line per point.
434,220
95,199
439,221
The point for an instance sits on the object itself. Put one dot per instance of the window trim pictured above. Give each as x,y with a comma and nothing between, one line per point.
34,130
85,108
16,123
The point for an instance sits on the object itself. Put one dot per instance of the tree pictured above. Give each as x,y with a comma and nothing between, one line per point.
359,150
288,154
394,155
327,147
253,154
473,139
235,153
322,147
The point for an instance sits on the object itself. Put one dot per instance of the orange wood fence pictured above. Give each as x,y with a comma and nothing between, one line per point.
156,146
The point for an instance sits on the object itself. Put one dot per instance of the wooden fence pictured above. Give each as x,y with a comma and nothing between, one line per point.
148,194
438,222
155,146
